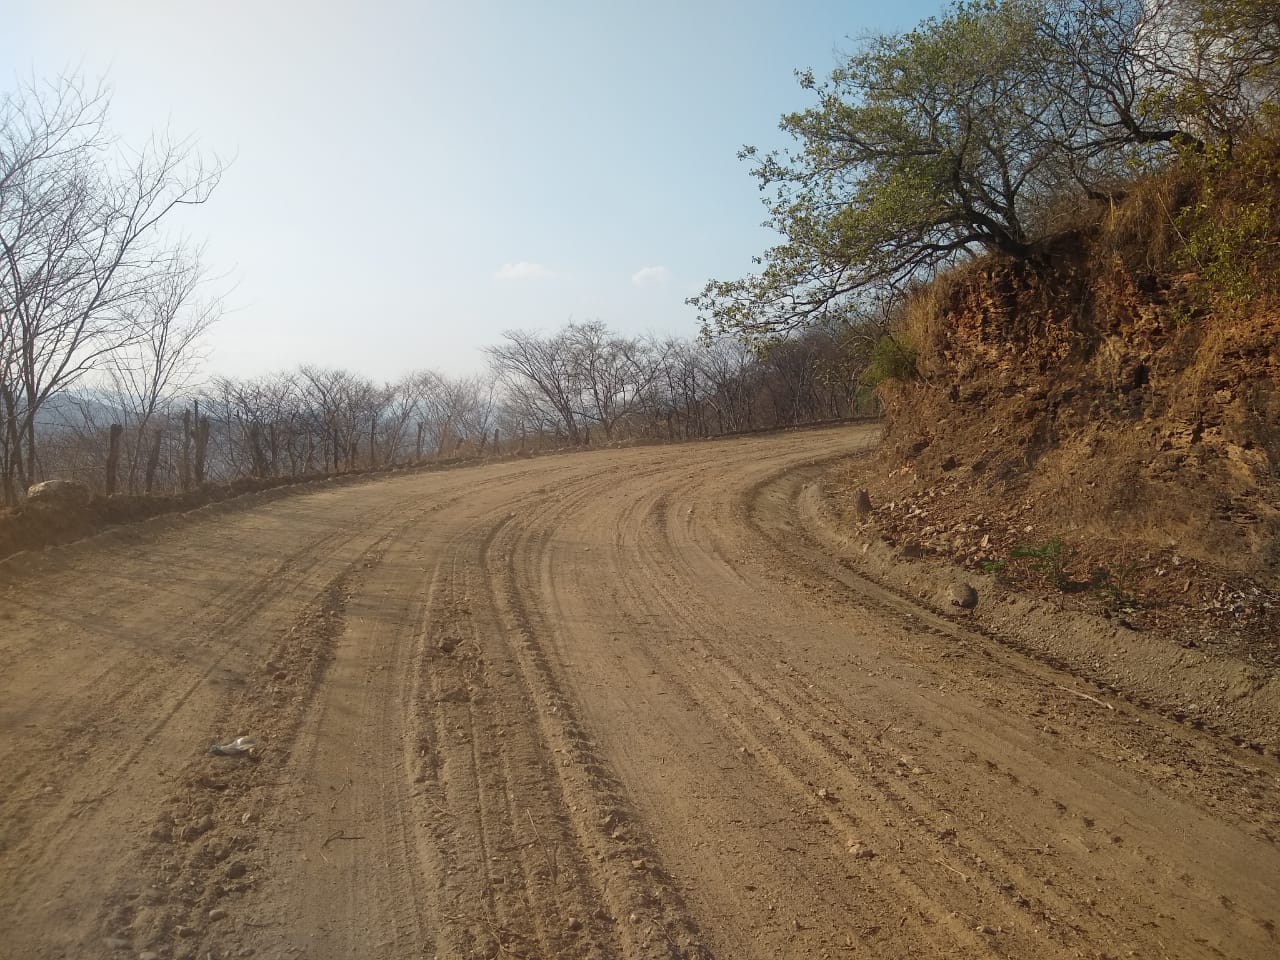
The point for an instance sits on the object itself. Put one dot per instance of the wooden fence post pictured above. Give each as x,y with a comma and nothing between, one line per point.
202,445
113,456
184,465
153,461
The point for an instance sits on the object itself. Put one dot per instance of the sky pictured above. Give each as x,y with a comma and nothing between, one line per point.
405,181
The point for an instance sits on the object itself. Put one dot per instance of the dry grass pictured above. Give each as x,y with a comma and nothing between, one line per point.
1141,231
1224,338
922,320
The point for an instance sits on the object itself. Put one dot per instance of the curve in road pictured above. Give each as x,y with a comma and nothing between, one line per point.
623,703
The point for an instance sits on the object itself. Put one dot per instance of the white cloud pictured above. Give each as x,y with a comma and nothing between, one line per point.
523,271
650,276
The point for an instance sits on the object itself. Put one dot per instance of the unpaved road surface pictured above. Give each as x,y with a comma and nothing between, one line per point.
615,704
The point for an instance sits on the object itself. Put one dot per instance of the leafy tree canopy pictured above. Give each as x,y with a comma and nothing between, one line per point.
966,133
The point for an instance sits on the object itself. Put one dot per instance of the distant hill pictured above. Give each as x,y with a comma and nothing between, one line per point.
63,410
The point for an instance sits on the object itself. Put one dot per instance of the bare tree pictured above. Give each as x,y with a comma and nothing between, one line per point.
613,372
469,404
160,359
732,375
81,247
542,373
347,407
405,414
687,388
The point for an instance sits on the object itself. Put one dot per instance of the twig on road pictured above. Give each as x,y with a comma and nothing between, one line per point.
1084,696
339,835
943,863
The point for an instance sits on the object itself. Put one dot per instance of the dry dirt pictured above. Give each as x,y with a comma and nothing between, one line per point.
641,703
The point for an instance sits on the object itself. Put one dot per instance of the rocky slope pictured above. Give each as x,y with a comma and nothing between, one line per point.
1096,424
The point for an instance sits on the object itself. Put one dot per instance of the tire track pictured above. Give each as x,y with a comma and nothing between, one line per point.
164,673
1240,774
378,875
994,872
622,704
645,910
746,712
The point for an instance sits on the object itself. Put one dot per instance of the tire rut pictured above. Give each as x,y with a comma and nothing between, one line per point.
642,906
628,704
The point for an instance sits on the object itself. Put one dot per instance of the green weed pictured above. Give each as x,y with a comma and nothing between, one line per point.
1049,560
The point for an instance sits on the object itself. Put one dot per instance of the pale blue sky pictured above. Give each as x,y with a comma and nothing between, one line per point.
410,179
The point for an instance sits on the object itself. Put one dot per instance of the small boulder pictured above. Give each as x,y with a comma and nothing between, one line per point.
862,504
58,493
860,851
963,595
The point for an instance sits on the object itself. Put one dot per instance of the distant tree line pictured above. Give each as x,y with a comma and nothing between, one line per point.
581,386
103,306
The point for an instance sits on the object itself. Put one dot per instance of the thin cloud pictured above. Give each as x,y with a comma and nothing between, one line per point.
650,276
523,270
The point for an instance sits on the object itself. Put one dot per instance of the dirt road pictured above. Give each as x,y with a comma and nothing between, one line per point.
615,704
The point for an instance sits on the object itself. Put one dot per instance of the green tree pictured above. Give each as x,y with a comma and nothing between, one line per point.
923,145
968,134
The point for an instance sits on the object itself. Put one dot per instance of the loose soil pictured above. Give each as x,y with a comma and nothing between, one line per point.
660,702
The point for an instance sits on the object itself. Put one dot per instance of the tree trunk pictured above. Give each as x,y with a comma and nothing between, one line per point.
30,466
12,450
256,454
273,447
113,456
153,461
202,446
12,447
